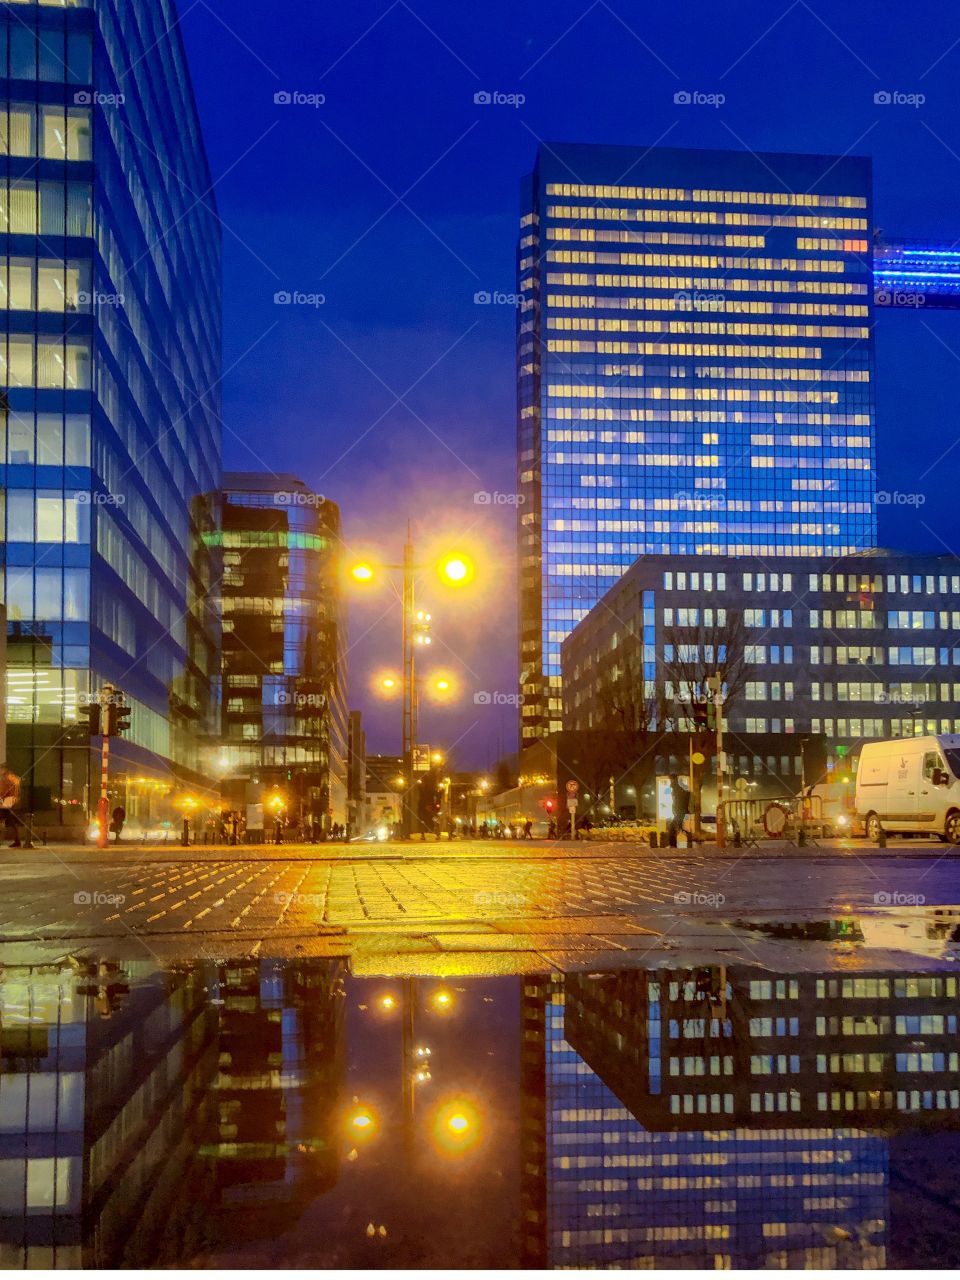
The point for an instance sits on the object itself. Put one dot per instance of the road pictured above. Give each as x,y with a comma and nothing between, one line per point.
478,906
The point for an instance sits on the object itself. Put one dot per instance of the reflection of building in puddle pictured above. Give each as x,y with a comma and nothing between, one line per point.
273,1138
114,1077
708,1118
104,1072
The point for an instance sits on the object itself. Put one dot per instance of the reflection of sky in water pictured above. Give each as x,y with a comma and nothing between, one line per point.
264,1113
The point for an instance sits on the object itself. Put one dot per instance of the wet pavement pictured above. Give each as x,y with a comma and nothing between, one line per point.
462,1057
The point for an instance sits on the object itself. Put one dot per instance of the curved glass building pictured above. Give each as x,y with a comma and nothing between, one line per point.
109,369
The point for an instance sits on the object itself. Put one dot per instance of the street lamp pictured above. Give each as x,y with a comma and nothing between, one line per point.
456,569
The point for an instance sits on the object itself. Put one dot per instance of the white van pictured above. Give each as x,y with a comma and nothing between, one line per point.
911,784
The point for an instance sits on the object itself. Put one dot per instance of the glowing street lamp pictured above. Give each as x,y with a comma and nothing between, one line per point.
456,569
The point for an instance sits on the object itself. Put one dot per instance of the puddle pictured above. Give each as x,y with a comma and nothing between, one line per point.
287,1114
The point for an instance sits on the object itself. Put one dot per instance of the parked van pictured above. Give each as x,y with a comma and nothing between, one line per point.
911,784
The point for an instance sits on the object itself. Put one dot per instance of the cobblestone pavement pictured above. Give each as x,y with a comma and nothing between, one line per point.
471,906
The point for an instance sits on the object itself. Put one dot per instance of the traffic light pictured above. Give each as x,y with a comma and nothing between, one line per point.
701,715
92,711
118,715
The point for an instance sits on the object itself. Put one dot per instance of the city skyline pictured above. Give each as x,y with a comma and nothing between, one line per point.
399,302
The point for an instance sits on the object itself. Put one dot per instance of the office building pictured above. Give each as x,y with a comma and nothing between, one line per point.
852,648
109,376
695,373
284,649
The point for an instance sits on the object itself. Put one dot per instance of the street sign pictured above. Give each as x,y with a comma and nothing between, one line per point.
572,804
573,787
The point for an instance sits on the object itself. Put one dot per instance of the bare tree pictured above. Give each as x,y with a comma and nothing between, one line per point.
713,643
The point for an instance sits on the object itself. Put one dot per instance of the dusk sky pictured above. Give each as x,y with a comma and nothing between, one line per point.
397,200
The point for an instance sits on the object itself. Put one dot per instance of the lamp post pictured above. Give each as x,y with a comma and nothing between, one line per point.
415,629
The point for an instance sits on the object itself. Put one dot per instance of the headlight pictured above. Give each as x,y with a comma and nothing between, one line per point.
843,821
94,831
382,833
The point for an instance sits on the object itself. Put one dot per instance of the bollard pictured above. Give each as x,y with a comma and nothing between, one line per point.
882,839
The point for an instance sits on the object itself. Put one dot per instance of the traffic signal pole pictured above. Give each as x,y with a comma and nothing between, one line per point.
102,808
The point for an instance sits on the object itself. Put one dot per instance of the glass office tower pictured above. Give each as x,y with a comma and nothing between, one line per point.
284,649
109,368
695,372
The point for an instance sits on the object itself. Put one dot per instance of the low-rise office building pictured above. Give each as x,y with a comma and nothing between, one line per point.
851,648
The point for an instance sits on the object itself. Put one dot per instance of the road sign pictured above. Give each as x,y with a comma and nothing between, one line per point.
573,787
698,757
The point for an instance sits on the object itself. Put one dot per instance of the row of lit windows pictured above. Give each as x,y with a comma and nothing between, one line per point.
704,284
816,243
704,217
44,284
46,208
709,261
718,306
706,195
45,130
590,324
728,352
58,362
589,413
46,439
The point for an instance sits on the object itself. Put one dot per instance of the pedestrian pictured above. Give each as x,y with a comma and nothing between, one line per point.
528,830
10,804
552,829
278,830
681,807
118,818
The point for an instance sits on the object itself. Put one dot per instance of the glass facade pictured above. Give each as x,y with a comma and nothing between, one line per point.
695,373
109,368
284,648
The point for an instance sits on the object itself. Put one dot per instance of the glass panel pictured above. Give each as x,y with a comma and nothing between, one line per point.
53,132
79,209
23,53
20,515
20,432
21,284
49,518
78,133
77,440
23,208
79,57
51,51
51,208
49,440
22,140
19,372
76,595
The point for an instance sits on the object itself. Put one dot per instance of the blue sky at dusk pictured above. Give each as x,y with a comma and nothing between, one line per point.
397,199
